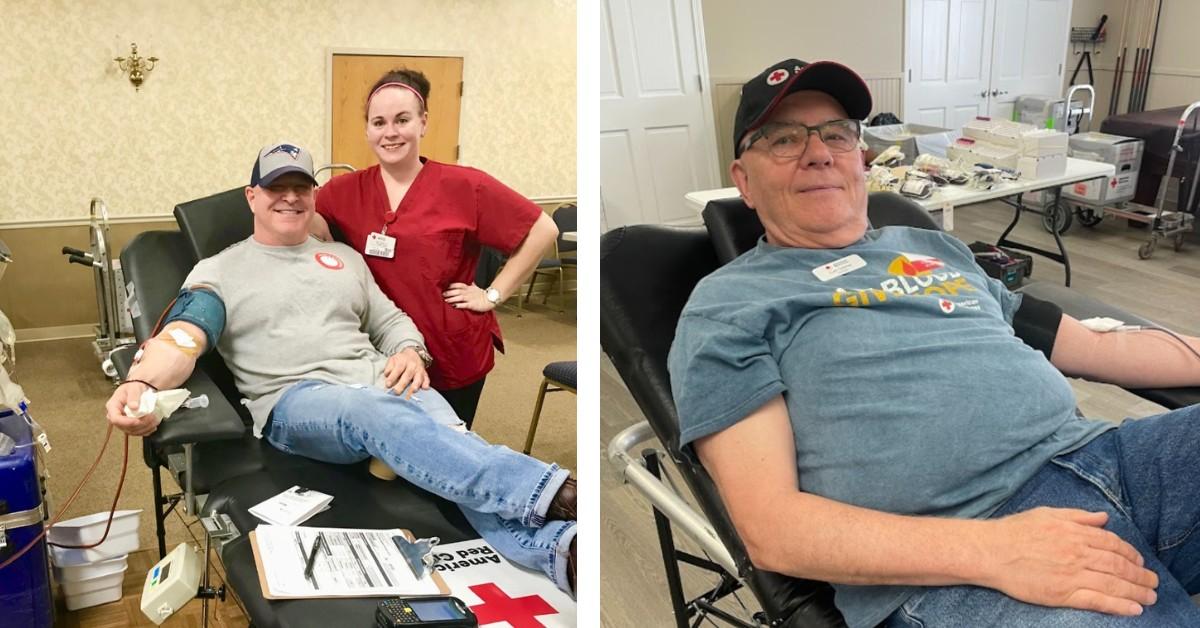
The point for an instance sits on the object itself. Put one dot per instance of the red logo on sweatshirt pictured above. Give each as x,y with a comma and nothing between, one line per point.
330,261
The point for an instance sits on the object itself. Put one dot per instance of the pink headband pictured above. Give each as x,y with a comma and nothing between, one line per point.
404,85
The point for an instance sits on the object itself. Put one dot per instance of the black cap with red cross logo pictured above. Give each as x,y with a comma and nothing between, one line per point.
761,94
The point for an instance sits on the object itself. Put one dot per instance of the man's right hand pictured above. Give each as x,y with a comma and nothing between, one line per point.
1064,557
128,394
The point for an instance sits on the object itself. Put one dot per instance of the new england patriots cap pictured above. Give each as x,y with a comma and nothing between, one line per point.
763,93
275,160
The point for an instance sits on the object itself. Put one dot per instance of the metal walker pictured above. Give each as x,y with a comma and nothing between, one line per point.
1163,224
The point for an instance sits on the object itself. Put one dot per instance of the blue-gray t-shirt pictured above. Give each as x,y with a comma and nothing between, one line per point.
906,388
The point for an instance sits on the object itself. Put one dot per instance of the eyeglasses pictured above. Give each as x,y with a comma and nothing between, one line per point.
787,140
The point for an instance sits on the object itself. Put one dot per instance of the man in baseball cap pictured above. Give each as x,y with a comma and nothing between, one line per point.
275,160
828,380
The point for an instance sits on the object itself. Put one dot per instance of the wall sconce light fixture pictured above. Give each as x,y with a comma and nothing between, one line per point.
136,67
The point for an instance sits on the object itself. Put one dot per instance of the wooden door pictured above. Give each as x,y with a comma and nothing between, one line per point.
353,76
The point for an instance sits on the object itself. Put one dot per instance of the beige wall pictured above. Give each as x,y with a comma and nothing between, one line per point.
743,37
236,75
1175,75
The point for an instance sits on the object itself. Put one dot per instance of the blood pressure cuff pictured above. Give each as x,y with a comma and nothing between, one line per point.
204,309
1036,323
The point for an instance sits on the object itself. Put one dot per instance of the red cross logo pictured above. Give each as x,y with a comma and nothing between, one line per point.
777,77
520,612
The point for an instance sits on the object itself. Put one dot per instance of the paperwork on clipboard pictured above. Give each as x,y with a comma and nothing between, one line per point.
349,563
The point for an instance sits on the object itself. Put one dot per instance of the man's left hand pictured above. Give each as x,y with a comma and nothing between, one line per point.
468,297
405,373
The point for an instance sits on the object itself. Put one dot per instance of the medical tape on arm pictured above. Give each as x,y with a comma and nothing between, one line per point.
201,307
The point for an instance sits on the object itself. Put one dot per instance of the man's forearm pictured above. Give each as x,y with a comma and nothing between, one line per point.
1133,359
167,360
815,537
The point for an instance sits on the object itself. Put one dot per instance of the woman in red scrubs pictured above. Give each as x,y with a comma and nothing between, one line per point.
420,225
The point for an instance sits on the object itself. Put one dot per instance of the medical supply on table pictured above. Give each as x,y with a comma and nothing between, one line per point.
171,583
432,612
292,507
912,140
891,157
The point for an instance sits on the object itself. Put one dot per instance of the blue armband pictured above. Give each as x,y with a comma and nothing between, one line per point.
202,308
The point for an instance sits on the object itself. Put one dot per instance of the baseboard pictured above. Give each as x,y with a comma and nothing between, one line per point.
39,334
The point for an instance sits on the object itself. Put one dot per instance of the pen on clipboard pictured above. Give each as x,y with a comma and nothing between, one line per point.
312,556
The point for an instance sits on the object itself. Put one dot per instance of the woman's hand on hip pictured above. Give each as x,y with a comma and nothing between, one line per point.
468,297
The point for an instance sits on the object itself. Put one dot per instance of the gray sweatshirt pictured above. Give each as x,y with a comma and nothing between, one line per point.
310,311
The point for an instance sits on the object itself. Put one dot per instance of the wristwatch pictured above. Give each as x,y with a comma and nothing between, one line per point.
493,295
423,353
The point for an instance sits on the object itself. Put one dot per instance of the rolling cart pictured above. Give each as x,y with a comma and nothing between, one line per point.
1163,224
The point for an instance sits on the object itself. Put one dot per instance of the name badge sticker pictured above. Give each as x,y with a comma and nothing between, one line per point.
840,267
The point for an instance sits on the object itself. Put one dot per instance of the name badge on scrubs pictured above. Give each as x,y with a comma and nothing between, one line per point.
380,245
840,267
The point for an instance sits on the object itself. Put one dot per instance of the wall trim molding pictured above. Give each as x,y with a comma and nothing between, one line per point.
741,80
116,220
40,334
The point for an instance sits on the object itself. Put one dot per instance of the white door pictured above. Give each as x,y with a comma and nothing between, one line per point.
948,53
998,50
656,137
1030,45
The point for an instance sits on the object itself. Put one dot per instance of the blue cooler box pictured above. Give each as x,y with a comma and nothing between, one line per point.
25,598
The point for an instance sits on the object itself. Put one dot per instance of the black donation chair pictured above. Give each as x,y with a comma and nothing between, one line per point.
647,273
223,469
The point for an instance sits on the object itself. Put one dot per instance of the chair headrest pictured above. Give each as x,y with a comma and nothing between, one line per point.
735,228
213,223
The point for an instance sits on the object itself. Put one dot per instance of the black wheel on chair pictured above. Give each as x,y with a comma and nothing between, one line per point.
1057,217
1087,216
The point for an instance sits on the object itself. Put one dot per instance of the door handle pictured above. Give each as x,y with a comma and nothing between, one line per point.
983,94
996,92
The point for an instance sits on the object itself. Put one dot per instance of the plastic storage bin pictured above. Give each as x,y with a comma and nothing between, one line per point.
94,591
122,537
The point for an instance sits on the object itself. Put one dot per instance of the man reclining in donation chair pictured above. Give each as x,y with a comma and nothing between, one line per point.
902,443
335,372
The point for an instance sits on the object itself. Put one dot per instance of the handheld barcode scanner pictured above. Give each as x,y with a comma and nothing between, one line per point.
441,611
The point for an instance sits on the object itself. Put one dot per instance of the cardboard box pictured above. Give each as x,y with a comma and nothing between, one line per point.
1124,153
1107,191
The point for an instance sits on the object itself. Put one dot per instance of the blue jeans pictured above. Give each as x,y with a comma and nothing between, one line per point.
1146,476
504,494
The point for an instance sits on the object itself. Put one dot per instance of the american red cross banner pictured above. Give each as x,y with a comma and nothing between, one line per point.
500,593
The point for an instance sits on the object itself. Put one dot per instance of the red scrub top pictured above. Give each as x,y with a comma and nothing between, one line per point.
447,214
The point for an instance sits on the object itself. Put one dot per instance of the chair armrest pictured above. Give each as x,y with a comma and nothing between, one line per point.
219,421
663,497
1081,307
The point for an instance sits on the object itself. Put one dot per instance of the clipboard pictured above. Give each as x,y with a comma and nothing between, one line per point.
260,566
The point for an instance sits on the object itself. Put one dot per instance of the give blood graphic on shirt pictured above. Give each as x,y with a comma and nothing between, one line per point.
500,593
912,275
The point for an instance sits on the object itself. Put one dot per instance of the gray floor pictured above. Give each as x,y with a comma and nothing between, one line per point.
1104,266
